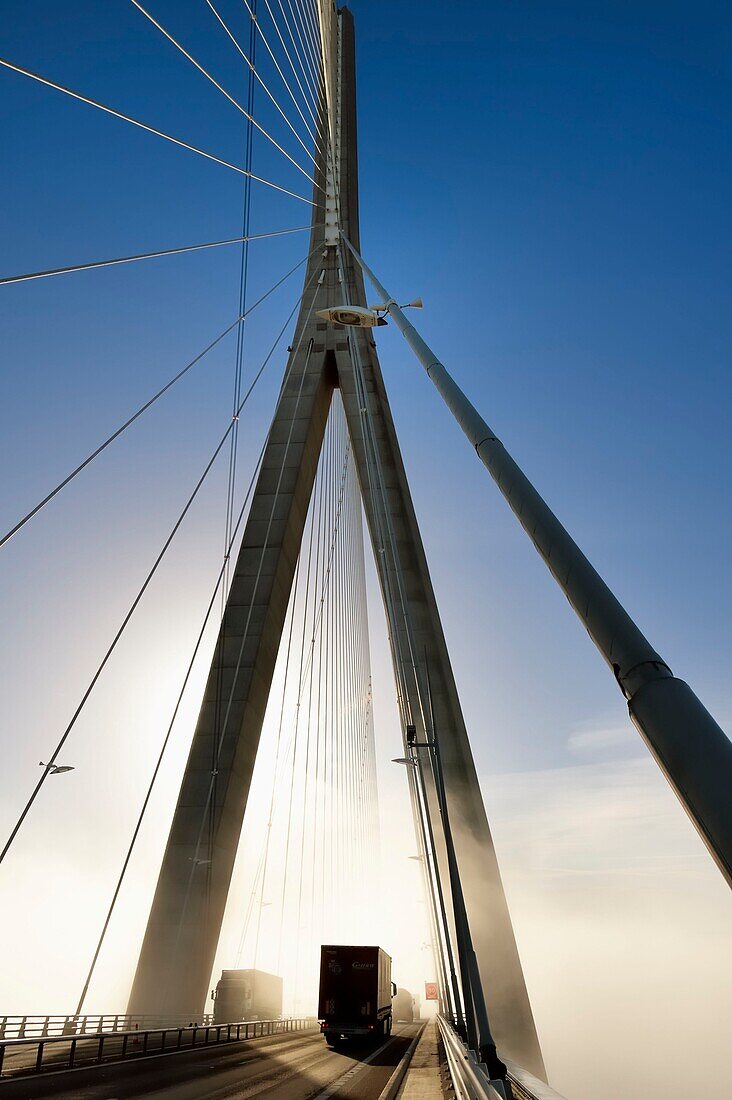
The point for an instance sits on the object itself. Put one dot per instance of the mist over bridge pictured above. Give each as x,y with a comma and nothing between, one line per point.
291,589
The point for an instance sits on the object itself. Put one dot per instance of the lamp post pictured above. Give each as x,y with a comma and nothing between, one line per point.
480,1037
433,888
454,987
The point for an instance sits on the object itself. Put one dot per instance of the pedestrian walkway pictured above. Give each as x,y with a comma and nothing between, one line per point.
424,1079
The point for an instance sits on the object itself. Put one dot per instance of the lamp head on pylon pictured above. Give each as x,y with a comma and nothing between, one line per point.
351,316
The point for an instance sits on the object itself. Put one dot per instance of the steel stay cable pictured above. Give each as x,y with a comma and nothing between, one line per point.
252,15
250,908
166,739
326,745
328,104
407,621
363,658
347,704
139,595
310,18
243,292
305,95
302,60
319,729
394,633
331,723
355,700
303,50
248,116
194,858
143,408
317,622
345,685
332,696
307,41
326,626
149,129
348,715
316,491
403,699
317,587
391,539
318,596
292,745
426,710
277,756
336,694
324,595
337,720
258,77
51,272
246,630
312,61
238,372
309,34
347,664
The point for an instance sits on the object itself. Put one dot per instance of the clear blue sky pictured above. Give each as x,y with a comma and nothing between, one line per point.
554,180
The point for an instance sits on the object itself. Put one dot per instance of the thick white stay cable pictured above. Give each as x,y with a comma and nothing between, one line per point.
149,129
220,87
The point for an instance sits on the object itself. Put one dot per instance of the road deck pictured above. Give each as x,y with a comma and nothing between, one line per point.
295,1066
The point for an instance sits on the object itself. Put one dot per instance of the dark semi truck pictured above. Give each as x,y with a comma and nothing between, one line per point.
355,993
247,995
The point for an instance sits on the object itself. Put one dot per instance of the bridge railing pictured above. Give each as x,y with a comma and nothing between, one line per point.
22,1027
471,1080
22,1056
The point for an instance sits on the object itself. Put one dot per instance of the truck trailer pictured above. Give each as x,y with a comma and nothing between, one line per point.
247,995
355,993
403,1007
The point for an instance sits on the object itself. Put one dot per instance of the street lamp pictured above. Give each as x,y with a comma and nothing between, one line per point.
433,877
56,769
346,316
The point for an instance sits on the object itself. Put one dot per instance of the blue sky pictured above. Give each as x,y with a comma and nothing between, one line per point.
554,180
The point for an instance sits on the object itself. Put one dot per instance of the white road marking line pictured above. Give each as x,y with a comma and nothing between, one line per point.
353,1071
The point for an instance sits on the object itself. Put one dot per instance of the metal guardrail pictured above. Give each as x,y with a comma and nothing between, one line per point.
471,1080
527,1087
21,1027
469,1076
21,1057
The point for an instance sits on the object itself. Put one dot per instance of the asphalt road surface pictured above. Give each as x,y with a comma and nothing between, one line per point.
295,1066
